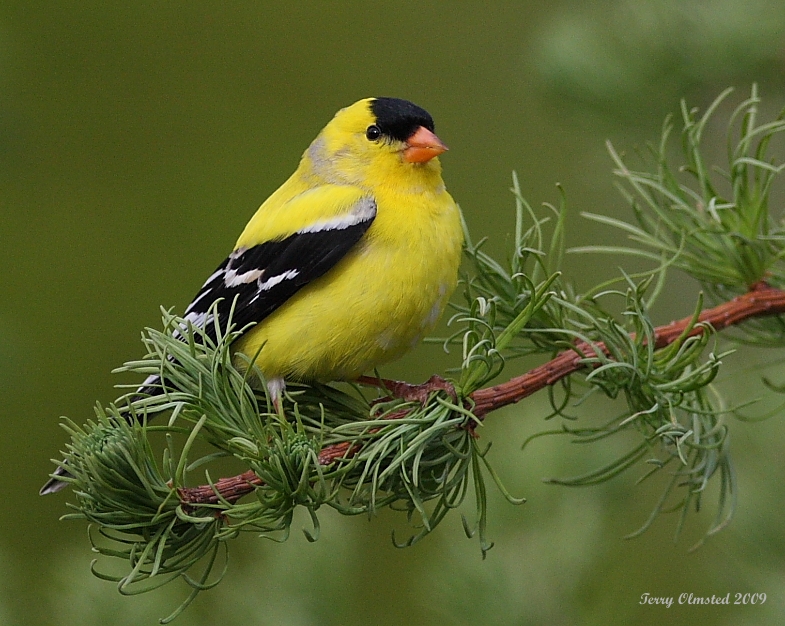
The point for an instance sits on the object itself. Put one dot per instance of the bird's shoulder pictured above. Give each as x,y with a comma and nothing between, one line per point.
296,208
291,244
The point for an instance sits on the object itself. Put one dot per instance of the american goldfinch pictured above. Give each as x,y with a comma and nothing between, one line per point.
351,261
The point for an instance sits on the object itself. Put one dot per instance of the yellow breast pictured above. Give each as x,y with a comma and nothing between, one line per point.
377,302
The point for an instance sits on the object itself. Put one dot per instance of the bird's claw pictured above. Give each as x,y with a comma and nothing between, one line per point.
418,393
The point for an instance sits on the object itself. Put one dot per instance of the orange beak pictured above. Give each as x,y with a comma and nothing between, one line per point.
422,146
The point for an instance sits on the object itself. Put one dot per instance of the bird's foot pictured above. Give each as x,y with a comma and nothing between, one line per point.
412,393
415,393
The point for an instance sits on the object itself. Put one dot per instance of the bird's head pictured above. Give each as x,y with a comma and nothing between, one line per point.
377,140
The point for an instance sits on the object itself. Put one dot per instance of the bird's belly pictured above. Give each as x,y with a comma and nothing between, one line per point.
365,312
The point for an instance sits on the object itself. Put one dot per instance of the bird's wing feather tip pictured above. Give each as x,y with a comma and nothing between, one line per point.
53,485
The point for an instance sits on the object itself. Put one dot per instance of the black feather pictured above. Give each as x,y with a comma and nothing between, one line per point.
399,119
296,261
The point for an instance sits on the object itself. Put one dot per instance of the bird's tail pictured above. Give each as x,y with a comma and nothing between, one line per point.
54,484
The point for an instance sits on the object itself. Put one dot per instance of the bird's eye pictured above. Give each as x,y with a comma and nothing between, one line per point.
373,133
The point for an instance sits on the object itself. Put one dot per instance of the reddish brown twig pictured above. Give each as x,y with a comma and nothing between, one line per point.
231,488
347,450
760,301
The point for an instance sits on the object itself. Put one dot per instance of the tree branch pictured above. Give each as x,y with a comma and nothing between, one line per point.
760,301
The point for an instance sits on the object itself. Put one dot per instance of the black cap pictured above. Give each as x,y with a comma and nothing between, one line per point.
399,119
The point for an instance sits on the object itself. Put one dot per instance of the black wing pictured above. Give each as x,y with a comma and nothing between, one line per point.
258,280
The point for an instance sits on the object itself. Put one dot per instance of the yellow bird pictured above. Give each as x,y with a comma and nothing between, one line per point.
350,262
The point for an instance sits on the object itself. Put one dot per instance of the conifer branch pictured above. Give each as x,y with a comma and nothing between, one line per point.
760,301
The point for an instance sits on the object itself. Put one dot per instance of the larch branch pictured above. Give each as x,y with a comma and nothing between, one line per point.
760,301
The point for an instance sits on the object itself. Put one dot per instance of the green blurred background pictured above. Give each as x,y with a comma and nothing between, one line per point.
137,138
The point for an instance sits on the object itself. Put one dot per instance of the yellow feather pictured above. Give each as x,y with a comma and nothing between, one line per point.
390,289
